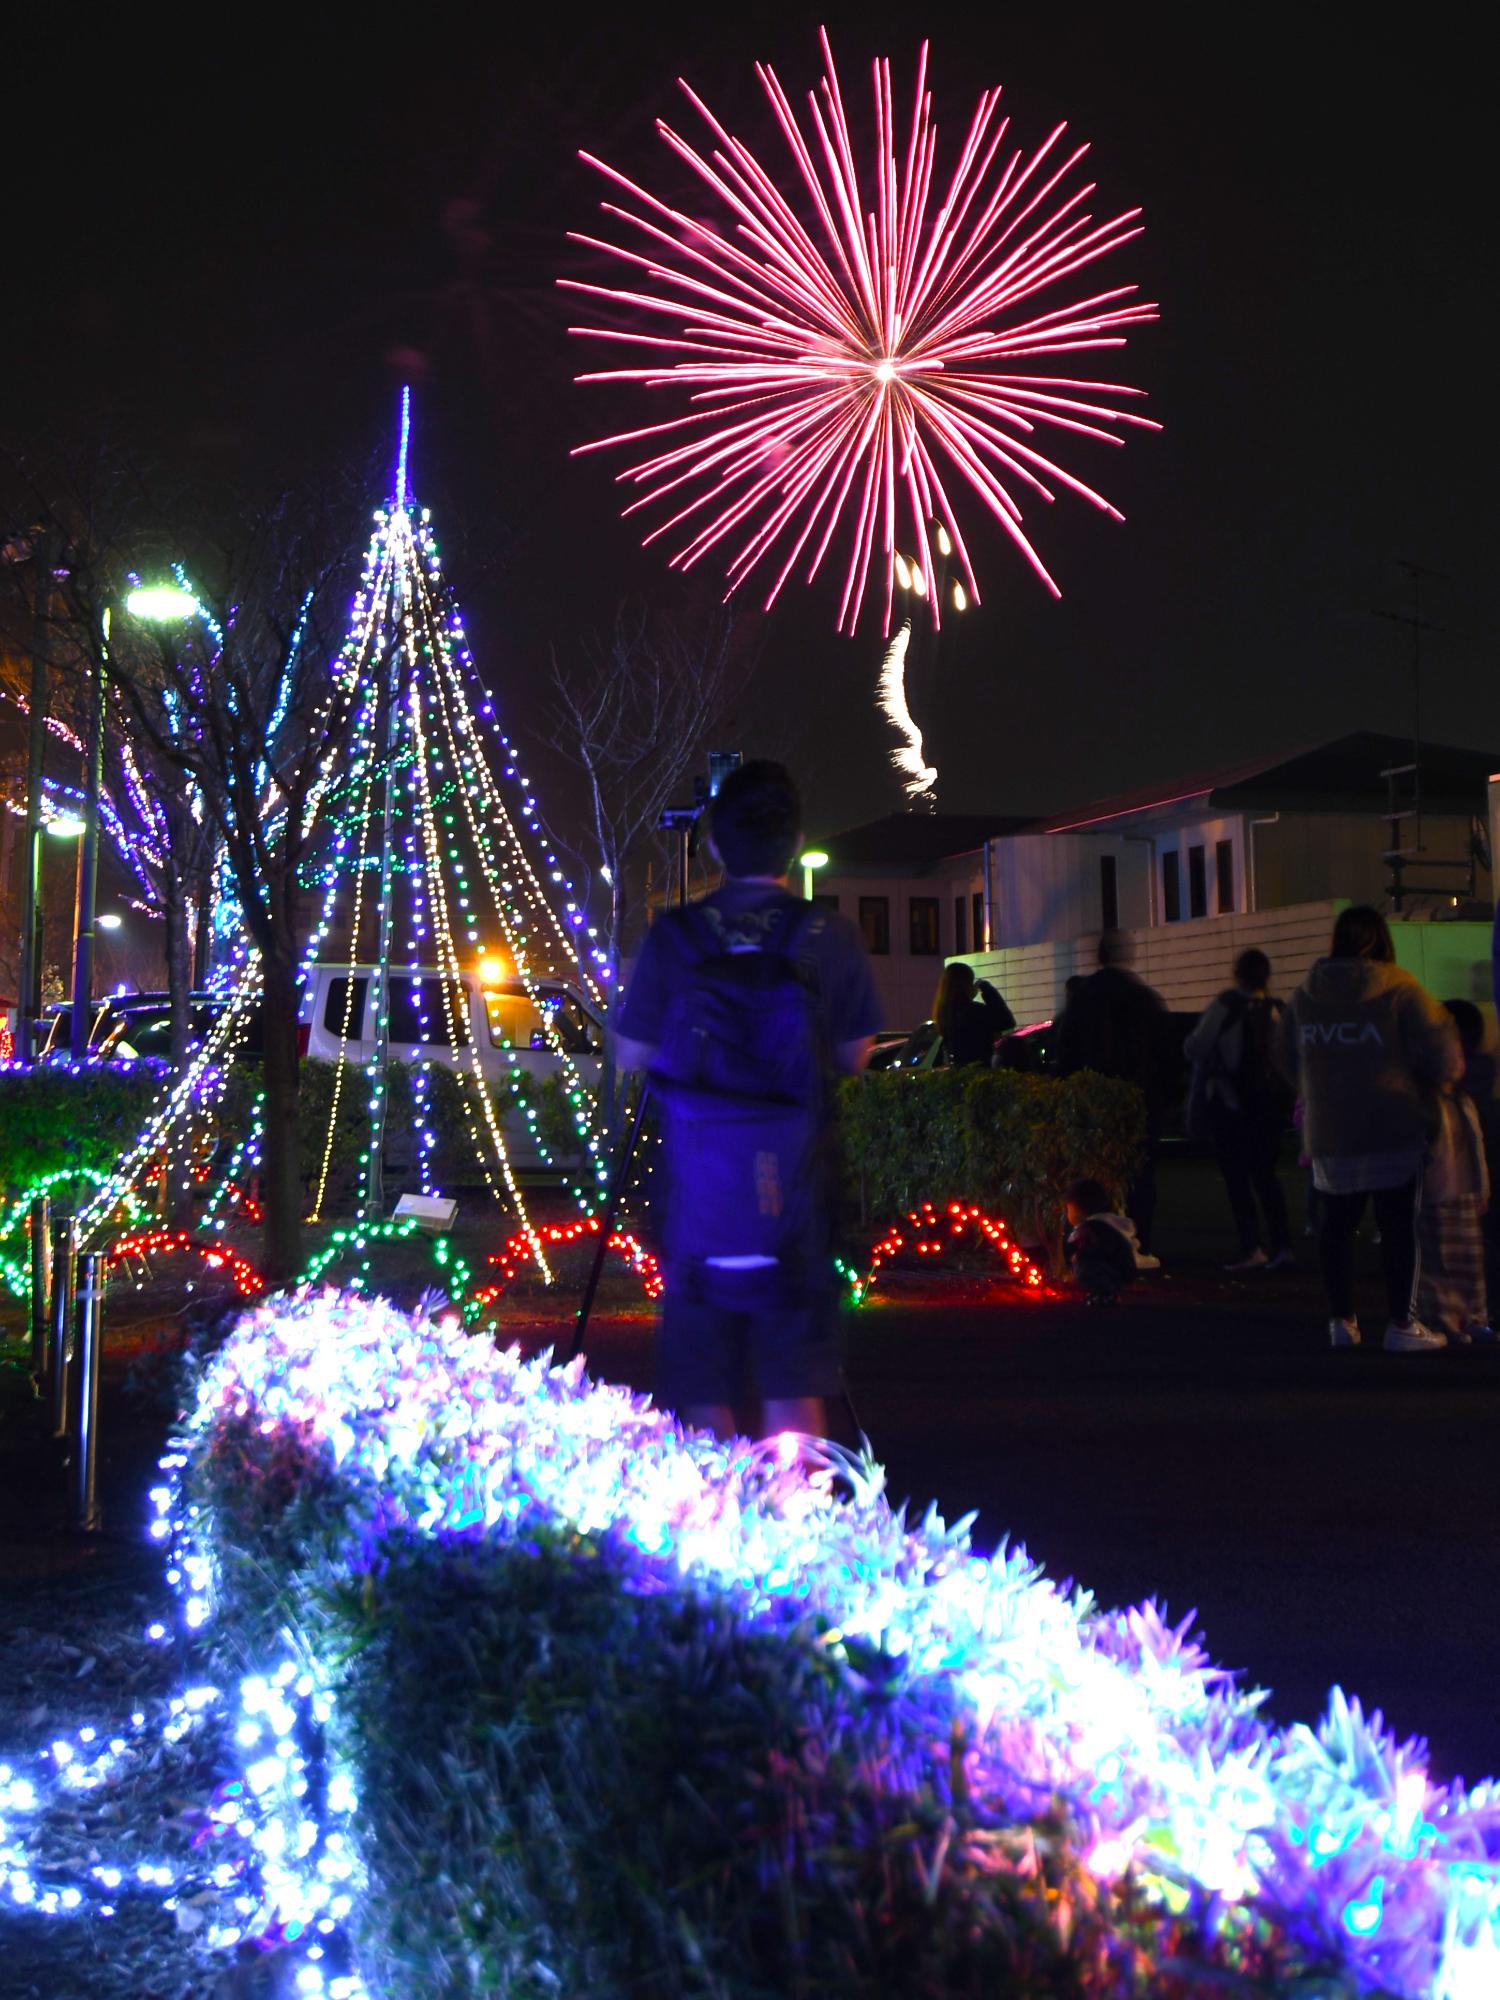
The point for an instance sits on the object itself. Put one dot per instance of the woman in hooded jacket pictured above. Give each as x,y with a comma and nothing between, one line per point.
1366,1047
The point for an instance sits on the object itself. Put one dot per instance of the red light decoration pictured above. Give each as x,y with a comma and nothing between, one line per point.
143,1243
929,1230
841,346
518,1251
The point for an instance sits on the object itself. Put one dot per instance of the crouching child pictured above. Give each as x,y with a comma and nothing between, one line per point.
1101,1249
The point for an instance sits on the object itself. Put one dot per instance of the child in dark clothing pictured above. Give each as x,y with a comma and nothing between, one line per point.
1101,1246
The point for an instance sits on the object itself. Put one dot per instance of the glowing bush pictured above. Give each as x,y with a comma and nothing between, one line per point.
609,1706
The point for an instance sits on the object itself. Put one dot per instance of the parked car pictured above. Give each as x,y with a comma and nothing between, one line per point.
140,1024
1034,1050
922,1048
506,1025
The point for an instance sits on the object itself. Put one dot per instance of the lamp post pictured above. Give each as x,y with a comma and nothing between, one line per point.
158,604
812,857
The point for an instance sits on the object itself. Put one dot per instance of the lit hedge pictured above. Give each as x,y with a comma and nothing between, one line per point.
452,1159
610,1708
58,1120
1003,1139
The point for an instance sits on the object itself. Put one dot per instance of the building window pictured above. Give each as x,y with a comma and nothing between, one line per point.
1197,882
981,939
1224,862
1171,889
875,924
1109,894
827,901
960,924
922,915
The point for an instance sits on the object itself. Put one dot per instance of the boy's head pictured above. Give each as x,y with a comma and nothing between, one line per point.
1470,1025
755,821
1087,1198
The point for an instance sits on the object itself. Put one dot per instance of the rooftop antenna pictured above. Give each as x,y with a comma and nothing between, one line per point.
1404,803
401,446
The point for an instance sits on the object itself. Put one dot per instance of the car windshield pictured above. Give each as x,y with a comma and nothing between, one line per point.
519,1021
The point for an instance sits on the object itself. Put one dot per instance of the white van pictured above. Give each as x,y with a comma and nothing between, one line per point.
504,1023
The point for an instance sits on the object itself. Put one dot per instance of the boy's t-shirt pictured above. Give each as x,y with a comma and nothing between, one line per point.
749,914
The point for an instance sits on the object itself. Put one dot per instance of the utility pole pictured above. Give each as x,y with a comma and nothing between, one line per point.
1405,805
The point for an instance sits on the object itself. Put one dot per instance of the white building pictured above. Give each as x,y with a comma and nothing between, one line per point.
1262,854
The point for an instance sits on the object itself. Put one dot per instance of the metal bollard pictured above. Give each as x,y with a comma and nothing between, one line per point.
64,1278
41,1290
85,1499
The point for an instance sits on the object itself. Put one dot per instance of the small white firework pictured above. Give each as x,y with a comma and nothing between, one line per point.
890,692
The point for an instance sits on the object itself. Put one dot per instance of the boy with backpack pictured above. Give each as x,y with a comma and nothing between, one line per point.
741,1009
1239,1101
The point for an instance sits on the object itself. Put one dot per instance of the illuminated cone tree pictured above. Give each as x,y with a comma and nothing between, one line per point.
434,863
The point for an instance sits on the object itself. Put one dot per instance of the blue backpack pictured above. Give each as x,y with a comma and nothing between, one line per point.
741,1069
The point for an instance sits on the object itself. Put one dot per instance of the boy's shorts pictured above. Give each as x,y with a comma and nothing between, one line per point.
704,1351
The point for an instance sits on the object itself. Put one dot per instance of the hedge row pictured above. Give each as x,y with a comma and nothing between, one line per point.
55,1120
447,1101
613,1709
1005,1140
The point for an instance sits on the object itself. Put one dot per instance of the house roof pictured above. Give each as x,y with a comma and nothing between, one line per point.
1341,776
911,841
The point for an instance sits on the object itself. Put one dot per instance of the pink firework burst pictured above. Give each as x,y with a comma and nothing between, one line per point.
845,359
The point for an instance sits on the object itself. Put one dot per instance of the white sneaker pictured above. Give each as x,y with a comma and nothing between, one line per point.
1343,1333
1144,1261
1256,1261
1412,1338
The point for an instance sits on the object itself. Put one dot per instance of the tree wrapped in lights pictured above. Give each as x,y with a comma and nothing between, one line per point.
242,704
430,829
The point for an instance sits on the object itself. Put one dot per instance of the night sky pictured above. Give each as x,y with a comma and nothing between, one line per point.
233,256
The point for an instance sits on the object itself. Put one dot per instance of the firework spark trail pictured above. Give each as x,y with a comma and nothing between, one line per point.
842,366
890,692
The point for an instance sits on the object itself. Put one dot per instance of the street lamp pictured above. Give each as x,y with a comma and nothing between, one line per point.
812,857
155,604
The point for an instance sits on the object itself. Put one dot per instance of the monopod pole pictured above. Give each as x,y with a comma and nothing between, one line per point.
607,1226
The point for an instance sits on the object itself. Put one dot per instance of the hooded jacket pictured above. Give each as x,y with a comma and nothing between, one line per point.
1107,1238
1366,1045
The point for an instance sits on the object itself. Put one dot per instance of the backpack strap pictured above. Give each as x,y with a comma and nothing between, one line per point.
802,922
699,933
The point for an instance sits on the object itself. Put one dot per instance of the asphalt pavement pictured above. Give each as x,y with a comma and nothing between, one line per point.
1332,1516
